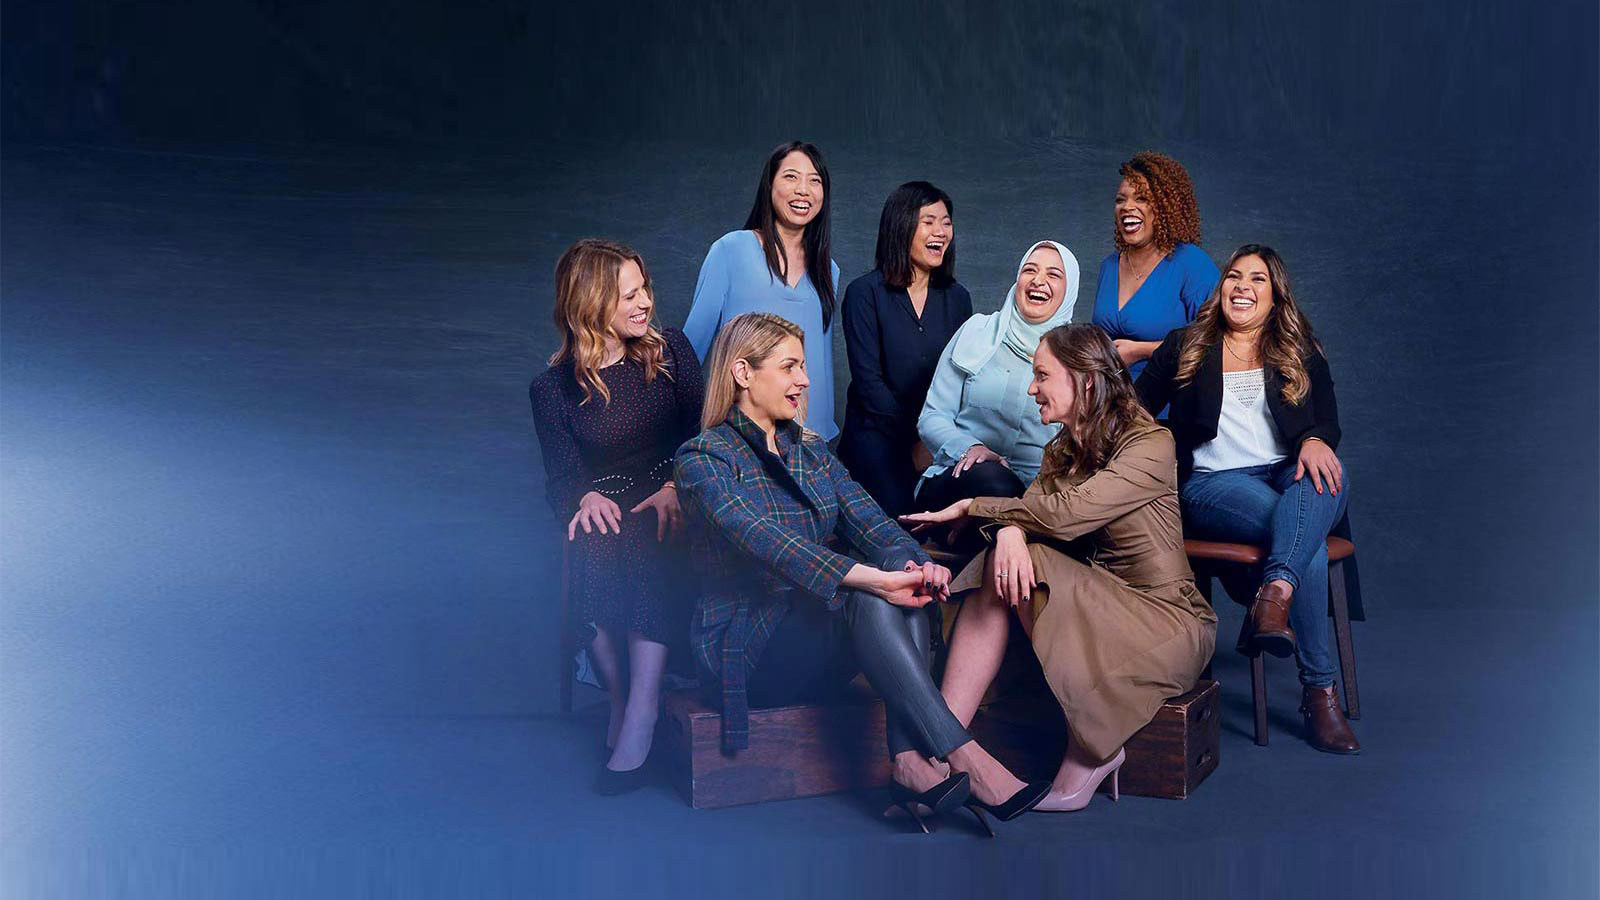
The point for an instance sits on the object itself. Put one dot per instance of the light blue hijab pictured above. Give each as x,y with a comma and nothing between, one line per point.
976,346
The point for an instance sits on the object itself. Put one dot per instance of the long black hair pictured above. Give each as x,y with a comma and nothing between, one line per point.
898,225
816,240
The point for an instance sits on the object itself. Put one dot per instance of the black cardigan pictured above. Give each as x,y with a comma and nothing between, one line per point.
1196,406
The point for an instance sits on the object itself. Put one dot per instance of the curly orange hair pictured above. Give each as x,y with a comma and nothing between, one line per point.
1172,195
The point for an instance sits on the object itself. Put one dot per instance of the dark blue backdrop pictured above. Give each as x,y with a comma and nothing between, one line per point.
275,276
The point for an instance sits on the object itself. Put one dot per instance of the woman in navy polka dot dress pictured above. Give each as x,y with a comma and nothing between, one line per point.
617,400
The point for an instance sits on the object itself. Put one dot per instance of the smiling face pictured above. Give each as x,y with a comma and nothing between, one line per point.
630,319
1135,213
935,231
1041,284
773,390
796,191
1053,386
1246,294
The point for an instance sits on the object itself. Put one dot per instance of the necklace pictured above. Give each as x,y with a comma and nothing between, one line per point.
1127,260
1229,347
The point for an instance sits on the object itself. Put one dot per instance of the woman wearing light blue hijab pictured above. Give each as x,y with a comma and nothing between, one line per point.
978,422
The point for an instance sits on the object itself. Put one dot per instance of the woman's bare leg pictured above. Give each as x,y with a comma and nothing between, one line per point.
976,648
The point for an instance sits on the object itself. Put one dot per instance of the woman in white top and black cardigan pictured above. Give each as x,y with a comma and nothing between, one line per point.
1253,413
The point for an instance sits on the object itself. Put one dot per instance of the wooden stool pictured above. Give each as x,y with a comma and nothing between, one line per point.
1207,556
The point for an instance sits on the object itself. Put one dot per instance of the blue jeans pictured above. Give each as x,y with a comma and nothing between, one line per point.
1264,505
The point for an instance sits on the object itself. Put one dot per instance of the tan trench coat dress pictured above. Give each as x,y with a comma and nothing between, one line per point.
1116,620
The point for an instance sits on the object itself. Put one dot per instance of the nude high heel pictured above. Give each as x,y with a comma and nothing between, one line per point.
1080,798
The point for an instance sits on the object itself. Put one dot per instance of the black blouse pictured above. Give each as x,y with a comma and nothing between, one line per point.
893,353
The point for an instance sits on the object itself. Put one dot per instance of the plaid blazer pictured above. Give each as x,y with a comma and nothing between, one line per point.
758,526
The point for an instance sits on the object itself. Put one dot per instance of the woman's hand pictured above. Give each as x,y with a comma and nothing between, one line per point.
669,515
1317,459
1134,351
1013,566
935,578
975,454
954,513
900,588
595,510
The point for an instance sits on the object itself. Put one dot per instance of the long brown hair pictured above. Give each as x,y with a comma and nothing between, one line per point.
817,237
586,299
1171,193
1104,405
751,337
1286,339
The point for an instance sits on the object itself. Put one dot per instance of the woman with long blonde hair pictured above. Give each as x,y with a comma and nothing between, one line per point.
612,408
1091,560
1254,415
785,618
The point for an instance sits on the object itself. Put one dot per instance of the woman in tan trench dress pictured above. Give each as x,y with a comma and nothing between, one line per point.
1092,560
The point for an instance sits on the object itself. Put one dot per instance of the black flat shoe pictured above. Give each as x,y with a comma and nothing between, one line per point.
1017,804
948,794
610,782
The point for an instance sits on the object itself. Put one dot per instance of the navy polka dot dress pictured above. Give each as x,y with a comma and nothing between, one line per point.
626,582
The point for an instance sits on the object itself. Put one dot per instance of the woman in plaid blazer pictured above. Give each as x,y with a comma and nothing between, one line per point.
786,619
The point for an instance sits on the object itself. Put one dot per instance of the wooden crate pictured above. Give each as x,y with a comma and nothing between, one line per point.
1169,758
795,751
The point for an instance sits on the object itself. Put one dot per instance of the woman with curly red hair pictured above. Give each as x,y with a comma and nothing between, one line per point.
1158,276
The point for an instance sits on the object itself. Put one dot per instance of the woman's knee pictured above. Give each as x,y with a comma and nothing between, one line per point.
991,479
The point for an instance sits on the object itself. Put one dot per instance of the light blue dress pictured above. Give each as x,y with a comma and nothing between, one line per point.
735,280
1169,298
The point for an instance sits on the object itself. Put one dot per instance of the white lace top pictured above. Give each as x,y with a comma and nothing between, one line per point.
1246,435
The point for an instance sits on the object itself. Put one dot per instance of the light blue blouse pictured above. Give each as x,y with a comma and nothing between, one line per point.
1168,299
735,280
989,407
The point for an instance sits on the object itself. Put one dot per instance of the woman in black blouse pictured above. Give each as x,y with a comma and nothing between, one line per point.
617,400
897,319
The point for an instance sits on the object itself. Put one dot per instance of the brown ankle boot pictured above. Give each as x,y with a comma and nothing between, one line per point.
1326,728
1269,619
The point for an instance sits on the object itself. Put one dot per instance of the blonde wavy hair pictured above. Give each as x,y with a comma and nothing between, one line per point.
586,299
752,337
1286,339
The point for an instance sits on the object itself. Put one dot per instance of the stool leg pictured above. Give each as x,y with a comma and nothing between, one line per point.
1258,685
1340,609
569,643
1258,693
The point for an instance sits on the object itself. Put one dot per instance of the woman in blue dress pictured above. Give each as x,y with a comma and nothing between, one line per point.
779,263
1158,276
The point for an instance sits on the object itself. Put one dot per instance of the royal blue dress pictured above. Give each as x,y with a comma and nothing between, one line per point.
1168,299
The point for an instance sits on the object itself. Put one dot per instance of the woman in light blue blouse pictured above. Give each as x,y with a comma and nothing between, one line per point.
779,263
979,422
1157,278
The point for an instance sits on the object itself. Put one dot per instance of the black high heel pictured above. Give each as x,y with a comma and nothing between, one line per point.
948,794
1017,804
610,782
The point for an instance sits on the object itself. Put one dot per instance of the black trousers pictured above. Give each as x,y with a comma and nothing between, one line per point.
814,654
881,464
986,479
